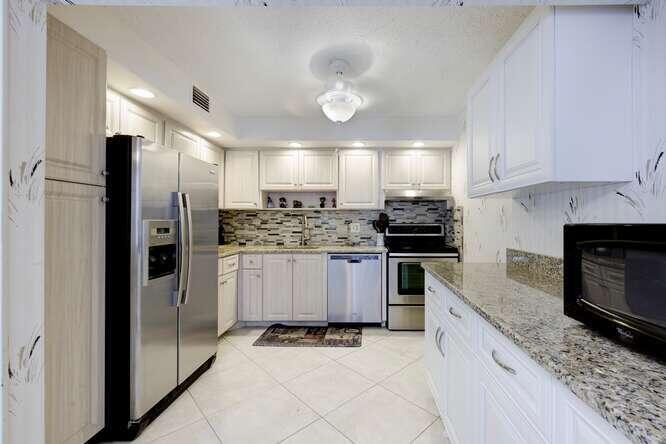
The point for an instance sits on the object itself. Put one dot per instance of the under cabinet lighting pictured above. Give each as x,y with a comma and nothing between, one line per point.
143,93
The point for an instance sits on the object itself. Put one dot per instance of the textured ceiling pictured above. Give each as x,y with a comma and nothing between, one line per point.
270,62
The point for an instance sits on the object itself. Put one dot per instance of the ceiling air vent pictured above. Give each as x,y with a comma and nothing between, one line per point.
200,99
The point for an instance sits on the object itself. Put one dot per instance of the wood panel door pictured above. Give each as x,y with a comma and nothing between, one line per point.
75,106
251,295
74,311
277,270
359,180
280,170
241,179
318,170
309,297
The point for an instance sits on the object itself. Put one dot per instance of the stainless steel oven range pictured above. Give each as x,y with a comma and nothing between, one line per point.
408,245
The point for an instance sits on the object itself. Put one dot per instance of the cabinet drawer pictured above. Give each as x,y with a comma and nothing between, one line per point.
434,295
461,318
227,265
251,261
522,379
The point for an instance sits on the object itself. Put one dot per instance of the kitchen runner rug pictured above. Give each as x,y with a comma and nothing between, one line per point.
279,335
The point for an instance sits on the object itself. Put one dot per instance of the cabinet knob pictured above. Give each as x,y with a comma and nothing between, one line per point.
104,199
104,173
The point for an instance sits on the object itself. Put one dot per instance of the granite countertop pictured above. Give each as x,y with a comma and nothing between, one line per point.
627,388
228,250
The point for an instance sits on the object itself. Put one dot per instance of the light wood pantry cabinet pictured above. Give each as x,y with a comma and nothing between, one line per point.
74,311
299,170
416,169
75,106
359,179
528,115
488,391
241,179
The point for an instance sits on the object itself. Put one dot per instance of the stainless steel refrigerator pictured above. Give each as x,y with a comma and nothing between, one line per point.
162,220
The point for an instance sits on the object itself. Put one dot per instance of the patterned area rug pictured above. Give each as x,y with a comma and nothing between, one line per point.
279,335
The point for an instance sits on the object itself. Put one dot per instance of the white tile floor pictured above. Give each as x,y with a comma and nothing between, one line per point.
375,393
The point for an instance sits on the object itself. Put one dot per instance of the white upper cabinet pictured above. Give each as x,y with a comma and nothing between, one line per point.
279,170
554,108
359,179
294,170
241,180
112,113
318,170
209,152
182,140
136,120
416,169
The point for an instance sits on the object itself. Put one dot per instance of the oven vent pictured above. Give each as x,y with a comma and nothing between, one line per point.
200,99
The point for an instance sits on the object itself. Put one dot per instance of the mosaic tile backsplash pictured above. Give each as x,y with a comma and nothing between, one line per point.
270,227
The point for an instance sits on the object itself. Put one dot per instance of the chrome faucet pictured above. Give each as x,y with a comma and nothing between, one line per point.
305,232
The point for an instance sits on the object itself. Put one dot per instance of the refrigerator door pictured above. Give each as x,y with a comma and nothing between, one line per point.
154,317
198,307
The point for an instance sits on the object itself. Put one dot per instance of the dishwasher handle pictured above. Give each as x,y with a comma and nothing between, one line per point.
353,258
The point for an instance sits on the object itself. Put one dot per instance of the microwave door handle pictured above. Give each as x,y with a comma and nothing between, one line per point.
189,248
182,242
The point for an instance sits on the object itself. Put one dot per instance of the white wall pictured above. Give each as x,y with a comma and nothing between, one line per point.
493,224
23,222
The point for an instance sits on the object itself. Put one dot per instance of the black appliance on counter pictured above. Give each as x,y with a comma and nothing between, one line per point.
408,246
615,280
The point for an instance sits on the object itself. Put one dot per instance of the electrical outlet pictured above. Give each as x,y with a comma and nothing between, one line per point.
355,227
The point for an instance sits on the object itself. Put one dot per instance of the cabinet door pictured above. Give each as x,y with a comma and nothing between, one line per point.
220,179
136,120
399,169
209,152
359,180
277,270
74,322
521,148
241,179
434,358
458,388
112,113
251,295
309,297
227,302
75,106
433,169
481,121
182,140
318,170
279,170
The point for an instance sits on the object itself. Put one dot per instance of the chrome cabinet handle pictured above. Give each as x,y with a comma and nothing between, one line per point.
495,167
430,289
502,365
490,166
439,329
453,313
438,341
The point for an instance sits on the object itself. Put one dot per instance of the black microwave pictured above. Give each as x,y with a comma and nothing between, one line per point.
615,280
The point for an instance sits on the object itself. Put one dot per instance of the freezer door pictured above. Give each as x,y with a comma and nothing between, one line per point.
198,308
154,317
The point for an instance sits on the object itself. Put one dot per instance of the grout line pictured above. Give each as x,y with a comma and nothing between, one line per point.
423,431
219,438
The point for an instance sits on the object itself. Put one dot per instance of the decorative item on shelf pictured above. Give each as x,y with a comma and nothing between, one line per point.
334,203
322,202
380,226
269,203
298,204
283,202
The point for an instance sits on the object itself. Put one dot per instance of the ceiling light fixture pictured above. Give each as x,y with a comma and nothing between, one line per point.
143,93
213,134
338,102
295,145
418,144
358,144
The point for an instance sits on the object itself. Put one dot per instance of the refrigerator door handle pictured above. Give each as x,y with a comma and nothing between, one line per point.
189,248
182,245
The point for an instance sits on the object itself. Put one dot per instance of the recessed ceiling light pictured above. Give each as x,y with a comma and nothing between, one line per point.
143,93
213,134
295,145
418,144
358,144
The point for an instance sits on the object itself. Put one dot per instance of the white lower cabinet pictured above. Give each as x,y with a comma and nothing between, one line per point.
277,299
227,306
309,296
488,391
251,295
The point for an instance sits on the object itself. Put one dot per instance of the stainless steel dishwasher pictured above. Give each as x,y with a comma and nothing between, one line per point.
354,288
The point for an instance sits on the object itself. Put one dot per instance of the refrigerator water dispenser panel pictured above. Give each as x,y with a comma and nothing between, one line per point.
160,248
